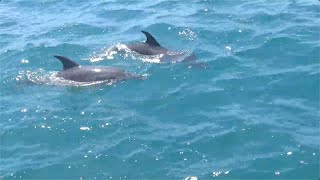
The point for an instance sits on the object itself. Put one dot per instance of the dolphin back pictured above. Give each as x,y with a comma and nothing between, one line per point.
95,73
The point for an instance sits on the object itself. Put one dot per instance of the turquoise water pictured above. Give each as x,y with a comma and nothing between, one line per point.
253,113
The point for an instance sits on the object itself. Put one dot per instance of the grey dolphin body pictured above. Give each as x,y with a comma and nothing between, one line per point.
152,47
73,71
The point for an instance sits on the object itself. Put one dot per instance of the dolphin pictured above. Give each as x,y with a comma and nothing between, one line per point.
73,71
152,47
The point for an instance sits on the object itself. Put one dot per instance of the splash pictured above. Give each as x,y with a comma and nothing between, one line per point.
123,51
189,34
108,53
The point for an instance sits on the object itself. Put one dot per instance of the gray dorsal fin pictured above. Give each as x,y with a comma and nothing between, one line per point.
66,62
150,39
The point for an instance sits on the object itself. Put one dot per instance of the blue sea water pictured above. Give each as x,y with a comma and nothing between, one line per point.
252,114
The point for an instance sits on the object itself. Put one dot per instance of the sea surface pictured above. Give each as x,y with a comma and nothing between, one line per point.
251,113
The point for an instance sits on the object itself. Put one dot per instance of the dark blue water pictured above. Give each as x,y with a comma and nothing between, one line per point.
253,113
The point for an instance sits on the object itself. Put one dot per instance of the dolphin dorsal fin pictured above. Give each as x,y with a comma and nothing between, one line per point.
150,39
67,63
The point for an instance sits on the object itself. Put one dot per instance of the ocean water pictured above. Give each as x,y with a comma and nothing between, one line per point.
253,113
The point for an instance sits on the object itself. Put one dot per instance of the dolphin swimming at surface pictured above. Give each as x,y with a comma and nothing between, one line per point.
152,47
73,71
